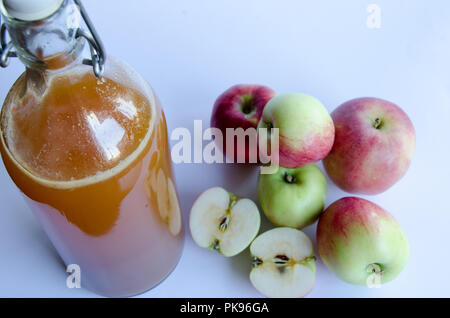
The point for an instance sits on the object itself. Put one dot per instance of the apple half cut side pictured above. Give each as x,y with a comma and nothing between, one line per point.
284,265
224,222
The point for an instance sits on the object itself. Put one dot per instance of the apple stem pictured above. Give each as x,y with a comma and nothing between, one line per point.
289,178
375,268
233,201
216,245
256,261
247,104
378,123
308,259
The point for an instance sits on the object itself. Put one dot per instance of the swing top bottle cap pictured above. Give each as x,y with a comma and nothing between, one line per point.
31,10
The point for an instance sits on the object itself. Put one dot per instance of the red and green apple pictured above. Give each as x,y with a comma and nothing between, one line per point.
361,242
240,106
306,130
373,146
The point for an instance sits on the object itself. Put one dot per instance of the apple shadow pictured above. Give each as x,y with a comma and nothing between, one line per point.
39,237
241,179
242,264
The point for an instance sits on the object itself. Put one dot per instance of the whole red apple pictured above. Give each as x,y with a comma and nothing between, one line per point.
240,106
373,146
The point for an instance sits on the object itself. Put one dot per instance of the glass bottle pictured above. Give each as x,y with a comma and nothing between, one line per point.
85,140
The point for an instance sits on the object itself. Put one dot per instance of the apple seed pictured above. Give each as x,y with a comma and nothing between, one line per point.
216,245
224,223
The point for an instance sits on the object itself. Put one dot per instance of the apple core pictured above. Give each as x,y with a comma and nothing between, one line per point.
247,105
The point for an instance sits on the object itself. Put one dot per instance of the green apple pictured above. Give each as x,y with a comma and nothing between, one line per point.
361,242
293,197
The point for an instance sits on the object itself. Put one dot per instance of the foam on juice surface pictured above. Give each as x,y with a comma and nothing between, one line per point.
81,131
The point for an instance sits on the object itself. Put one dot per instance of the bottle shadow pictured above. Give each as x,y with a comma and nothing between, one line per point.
33,235
38,237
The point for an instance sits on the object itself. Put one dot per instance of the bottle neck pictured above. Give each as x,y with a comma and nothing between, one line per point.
47,44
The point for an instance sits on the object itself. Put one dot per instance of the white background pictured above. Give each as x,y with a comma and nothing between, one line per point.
191,51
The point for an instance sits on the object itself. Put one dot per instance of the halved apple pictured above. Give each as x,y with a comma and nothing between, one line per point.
224,222
284,265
